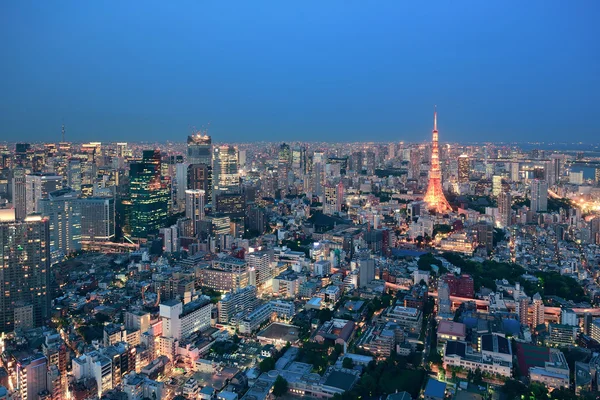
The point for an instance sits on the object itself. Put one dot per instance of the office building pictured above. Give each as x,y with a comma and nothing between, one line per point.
19,193
199,177
539,195
225,274
366,270
148,195
464,168
226,178
24,269
64,219
37,187
199,149
180,320
194,206
97,218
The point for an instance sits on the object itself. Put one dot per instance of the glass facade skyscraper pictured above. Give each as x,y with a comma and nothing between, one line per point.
199,149
148,195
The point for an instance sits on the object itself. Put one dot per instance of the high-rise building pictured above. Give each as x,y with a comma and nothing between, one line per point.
537,308
74,175
299,158
557,167
194,206
24,270
597,176
334,198
539,195
19,193
199,177
283,167
505,209
514,172
226,178
170,238
37,187
64,220
496,185
199,149
239,301
148,195
366,271
464,168
523,310
434,197
259,268
97,218
485,235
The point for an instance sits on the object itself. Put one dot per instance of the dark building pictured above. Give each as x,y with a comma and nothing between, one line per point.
24,273
374,239
199,176
257,219
231,204
148,195
485,235
461,286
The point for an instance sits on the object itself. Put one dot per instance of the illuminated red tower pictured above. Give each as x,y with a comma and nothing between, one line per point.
434,197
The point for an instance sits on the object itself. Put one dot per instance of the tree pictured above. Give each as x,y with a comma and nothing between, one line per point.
266,365
514,389
325,315
280,387
348,363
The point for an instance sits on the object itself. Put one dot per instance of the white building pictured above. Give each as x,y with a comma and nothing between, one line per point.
180,321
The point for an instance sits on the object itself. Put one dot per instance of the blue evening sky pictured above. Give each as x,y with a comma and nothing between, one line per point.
300,70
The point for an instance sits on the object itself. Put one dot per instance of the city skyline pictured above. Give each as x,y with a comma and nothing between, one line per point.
264,72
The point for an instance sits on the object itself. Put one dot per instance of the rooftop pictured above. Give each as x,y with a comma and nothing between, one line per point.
435,388
451,328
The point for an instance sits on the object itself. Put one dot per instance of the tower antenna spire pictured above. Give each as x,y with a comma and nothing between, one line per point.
435,117
62,131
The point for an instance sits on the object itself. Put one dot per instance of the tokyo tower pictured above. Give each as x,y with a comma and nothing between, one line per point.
434,197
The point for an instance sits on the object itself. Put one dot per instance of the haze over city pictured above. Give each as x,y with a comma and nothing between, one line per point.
335,71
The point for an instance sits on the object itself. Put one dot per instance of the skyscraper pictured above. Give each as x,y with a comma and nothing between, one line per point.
199,177
64,220
194,206
496,185
283,167
434,197
19,193
149,196
539,195
37,187
226,178
199,149
504,209
464,168
334,197
24,271
97,218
